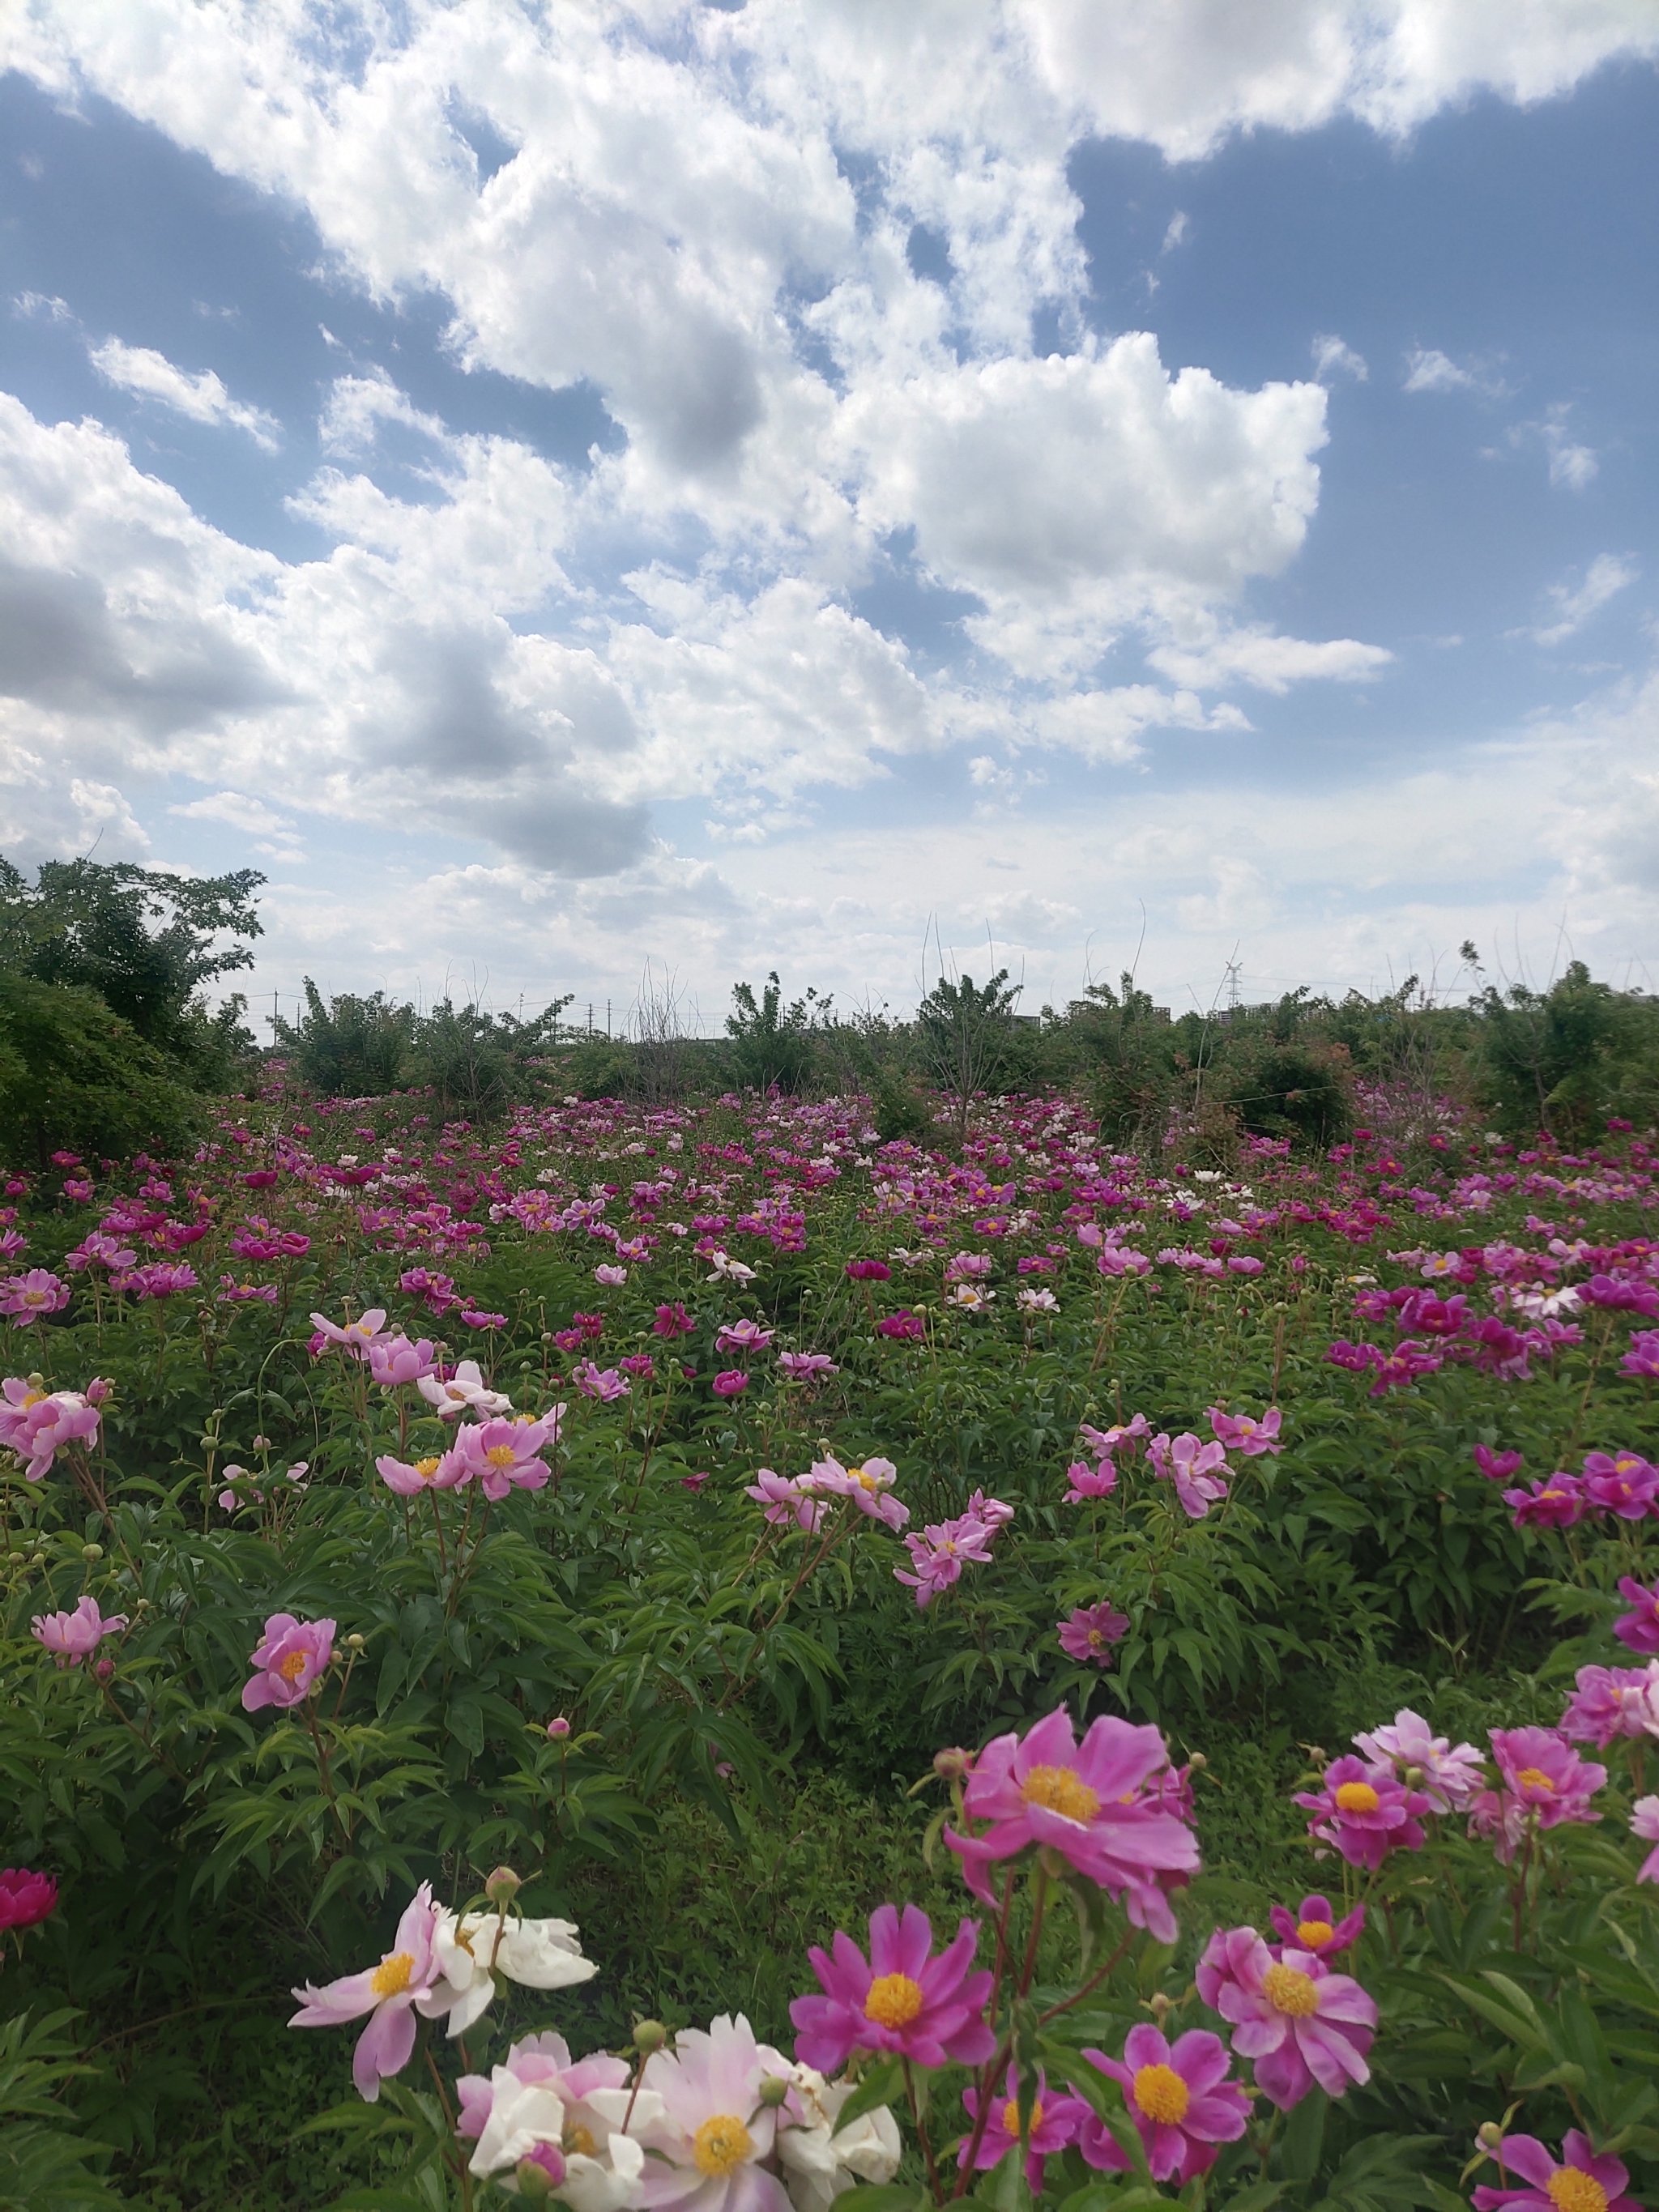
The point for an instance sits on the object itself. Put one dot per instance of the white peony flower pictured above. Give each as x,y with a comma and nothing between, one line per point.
818,2162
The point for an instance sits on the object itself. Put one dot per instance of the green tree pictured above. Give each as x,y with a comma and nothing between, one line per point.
74,1077
773,1044
349,1047
967,1032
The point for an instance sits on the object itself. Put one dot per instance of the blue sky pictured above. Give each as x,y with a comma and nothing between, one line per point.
704,489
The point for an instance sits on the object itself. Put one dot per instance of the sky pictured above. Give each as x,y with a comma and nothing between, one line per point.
588,498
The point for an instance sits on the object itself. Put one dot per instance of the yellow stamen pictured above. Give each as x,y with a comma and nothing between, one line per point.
1534,1778
1058,1789
1162,2095
426,1468
894,2000
1573,2191
1356,1797
293,1666
1011,2119
502,1455
1314,1934
578,2140
1288,1992
392,1977
720,2144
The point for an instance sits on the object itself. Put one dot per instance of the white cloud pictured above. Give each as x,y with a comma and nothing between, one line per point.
1572,605
1211,656
1332,355
1428,369
202,397
1179,230
1571,462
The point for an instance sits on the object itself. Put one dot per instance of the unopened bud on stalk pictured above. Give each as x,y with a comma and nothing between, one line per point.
557,1728
501,1887
1160,2006
1197,1764
262,1443
649,2035
954,1765
1489,2134
774,2089
104,1669
92,1552
1412,1777
535,2174
355,1643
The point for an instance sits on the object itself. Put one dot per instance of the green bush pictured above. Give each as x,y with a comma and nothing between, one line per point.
74,1077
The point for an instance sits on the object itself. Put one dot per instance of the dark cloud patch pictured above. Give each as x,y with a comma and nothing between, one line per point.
61,649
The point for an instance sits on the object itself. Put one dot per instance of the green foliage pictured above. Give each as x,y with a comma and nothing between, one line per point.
146,942
772,1043
47,2164
74,1077
477,1063
1561,1060
350,1046
1296,1089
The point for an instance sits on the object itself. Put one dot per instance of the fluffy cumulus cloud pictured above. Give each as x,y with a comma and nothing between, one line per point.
707,216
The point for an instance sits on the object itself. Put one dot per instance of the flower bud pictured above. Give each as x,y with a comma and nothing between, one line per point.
953,1765
1489,2134
501,1887
774,2088
92,1552
557,1728
355,1643
1412,1777
104,1669
535,2173
262,1443
649,2035
1197,1764
1160,2006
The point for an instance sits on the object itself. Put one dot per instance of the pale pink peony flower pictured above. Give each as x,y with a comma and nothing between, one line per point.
1300,2025
408,1979
714,2132
408,1478
1644,1826
354,1337
72,1637
30,1297
36,1423
290,1659
505,1454
393,1360
463,1391
1449,1777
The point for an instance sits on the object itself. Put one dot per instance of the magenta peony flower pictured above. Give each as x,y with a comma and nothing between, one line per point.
730,1382
903,1325
72,1637
30,1297
1091,1630
1364,1812
1314,1927
868,1271
408,1979
806,1366
1055,2122
672,1320
742,1336
393,1360
1579,2182
1638,1628
26,1898
37,1424
939,1553
1081,1799
1197,1470
1621,1483
1183,2106
408,1478
1560,1502
1300,2025
901,1999
1088,1481
1496,1467
1641,1357
1240,1432
603,1383
290,1659
1540,1770
1613,1701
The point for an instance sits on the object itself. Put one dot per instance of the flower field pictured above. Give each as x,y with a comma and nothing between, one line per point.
985,1673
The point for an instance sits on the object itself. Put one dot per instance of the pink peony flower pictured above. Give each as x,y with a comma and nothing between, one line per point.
408,1478
805,1366
609,1277
870,1487
603,1383
408,1980
1611,1702
1621,1483
730,1383
1086,1481
1579,2182
1300,2025
1127,1436
939,1553
353,1337
1638,1628
30,1297
1364,1812
290,1659
1055,2122
1241,1432
672,1320
901,1999
1080,1799
393,1360
715,2132
782,1500
1540,1772
1197,1470
1314,1927
868,1271
1183,2106
527,2107
506,1454
1449,1779
26,1898
71,1637
742,1336
905,1326
1644,1825
37,1424
1090,1631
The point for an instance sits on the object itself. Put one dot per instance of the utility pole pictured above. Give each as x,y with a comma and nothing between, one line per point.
1232,987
